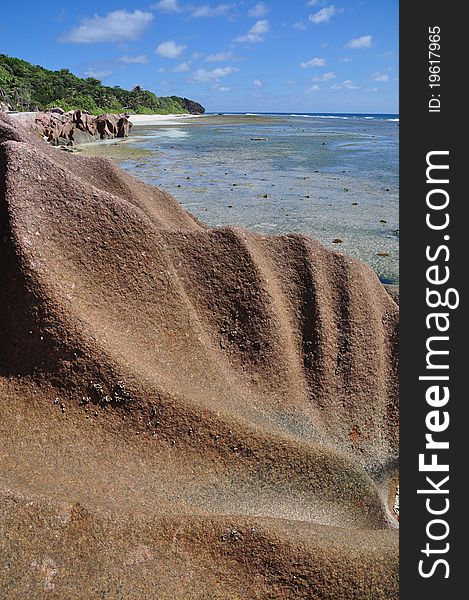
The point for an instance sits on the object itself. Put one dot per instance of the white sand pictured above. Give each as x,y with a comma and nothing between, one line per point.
160,119
135,119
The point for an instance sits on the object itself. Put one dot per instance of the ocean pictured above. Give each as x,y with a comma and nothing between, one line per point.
331,176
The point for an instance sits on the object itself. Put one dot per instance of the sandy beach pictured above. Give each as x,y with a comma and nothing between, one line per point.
161,119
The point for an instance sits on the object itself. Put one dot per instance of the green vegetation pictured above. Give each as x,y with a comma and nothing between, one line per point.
30,87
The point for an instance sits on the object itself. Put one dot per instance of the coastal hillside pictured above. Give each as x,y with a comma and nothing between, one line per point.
24,87
186,411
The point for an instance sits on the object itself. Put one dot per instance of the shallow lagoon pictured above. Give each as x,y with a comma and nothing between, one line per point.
331,178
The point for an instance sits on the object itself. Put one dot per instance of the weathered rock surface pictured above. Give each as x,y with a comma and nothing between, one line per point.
185,412
193,108
78,127
112,126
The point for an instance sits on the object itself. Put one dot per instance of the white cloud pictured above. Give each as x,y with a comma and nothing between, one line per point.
380,77
365,41
97,74
183,67
202,75
314,62
346,59
312,3
168,6
324,15
260,10
300,26
116,26
326,77
257,83
206,10
141,59
345,85
256,33
220,57
371,89
313,89
222,88
170,49
161,70
197,55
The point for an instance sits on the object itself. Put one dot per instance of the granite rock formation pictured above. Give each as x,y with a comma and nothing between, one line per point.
77,127
185,412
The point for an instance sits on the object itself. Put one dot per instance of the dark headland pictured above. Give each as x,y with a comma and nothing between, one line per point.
186,412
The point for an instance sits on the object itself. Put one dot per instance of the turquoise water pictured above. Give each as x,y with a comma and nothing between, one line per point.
334,178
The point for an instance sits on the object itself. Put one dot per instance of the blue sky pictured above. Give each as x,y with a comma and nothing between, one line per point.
287,56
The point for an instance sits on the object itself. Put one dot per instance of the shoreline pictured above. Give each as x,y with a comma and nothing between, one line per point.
310,200
85,124
172,119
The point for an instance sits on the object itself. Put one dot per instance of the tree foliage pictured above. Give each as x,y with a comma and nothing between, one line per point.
32,87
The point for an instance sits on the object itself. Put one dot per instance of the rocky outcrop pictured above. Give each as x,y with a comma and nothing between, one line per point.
77,127
112,126
192,107
56,110
185,411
